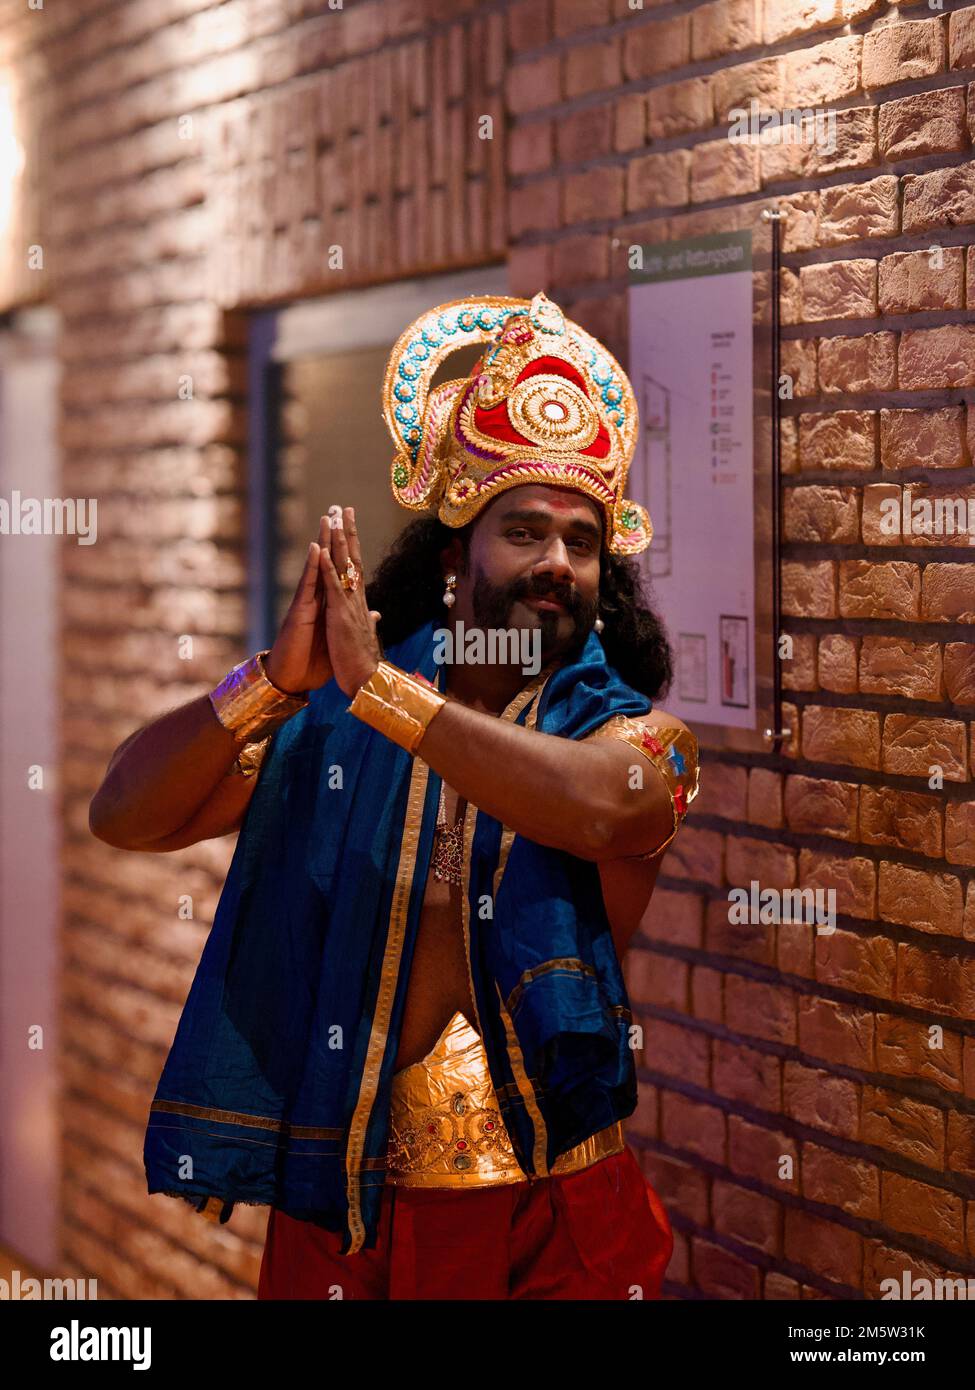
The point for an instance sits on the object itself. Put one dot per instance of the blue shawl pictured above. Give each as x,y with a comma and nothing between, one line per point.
277,1087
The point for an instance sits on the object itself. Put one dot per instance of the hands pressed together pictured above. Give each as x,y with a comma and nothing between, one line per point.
328,630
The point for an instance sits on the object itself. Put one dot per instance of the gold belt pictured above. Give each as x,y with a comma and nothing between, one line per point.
446,1128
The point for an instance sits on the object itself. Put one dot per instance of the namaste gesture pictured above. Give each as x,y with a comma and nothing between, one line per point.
328,630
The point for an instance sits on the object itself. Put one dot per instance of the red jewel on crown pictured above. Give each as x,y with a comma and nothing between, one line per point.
431,1129
462,1143
680,800
654,745
488,1124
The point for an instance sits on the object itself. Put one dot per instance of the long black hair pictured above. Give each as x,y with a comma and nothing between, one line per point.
407,589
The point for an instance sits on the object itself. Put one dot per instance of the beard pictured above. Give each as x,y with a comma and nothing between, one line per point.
492,604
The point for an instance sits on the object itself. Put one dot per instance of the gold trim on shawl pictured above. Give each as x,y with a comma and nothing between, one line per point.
531,692
389,977
571,963
507,834
235,1117
470,823
527,1092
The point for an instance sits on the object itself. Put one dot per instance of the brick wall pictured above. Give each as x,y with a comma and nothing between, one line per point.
762,1042
202,158
311,128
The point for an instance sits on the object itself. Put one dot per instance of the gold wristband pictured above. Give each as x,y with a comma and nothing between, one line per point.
247,704
673,752
398,705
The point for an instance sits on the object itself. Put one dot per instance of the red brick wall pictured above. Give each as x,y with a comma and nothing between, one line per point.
313,128
764,1041
202,158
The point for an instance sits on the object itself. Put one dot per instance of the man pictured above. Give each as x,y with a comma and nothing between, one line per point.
409,1032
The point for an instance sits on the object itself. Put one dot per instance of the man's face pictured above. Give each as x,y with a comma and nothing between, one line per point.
534,563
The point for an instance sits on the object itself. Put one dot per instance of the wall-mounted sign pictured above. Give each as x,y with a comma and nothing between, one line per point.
691,326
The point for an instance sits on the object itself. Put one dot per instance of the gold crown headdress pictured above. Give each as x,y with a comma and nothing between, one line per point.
545,403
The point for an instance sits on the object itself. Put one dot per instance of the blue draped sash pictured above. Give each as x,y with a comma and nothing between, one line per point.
277,1087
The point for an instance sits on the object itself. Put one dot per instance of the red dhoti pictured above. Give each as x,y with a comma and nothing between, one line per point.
598,1234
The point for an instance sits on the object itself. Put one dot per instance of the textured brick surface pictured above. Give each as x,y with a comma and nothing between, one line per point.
317,129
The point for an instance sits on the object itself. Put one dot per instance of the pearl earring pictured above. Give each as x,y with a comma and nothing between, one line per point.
599,624
449,597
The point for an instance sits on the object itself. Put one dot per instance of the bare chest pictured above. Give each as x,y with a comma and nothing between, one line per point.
439,983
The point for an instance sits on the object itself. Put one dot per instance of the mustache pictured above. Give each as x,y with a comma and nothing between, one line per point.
546,588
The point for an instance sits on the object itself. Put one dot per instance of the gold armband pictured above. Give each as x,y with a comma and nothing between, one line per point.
246,703
398,705
673,752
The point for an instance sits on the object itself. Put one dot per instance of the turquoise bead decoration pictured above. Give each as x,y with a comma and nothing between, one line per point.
458,487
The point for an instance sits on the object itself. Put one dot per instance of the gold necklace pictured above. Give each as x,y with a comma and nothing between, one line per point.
448,852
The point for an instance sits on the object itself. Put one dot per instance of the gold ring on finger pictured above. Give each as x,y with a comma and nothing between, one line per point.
350,579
